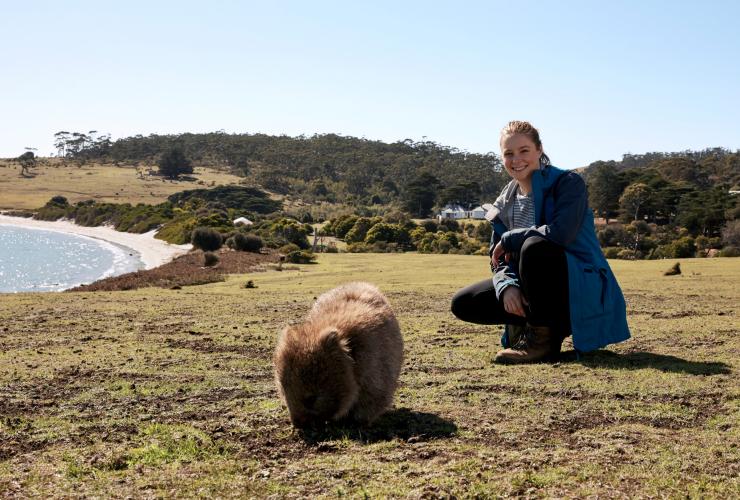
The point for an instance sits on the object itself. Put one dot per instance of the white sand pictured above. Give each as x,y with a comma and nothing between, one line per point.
153,252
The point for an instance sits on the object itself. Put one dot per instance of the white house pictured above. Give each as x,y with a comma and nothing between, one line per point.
478,213
243,220
452,212
457,212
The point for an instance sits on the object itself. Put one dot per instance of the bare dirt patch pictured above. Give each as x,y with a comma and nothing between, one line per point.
185,270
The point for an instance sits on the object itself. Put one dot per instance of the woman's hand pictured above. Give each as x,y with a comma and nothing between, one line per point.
514,301
498,251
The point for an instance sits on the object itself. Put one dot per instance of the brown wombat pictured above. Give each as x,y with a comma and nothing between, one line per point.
343,361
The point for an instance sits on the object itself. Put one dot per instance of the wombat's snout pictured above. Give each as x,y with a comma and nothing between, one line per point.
300,422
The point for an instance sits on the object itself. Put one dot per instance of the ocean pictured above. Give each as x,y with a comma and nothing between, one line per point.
40,260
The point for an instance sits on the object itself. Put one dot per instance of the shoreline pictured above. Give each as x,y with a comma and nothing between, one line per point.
152,252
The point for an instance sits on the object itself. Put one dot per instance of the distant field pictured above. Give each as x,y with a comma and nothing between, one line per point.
163,393
103,183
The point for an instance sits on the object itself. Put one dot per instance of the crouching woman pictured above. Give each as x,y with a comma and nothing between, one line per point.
550,278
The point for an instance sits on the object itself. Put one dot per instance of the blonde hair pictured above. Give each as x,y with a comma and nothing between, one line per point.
526,128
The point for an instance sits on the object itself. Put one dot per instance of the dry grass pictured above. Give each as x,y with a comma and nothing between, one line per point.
159,393
102,183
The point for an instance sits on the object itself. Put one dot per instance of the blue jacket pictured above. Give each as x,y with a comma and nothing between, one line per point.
598,313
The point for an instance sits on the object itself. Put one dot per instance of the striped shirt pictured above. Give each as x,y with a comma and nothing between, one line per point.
523,210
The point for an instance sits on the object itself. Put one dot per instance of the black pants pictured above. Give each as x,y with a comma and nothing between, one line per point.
543,272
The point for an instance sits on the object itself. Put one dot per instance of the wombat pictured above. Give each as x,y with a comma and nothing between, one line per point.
343,362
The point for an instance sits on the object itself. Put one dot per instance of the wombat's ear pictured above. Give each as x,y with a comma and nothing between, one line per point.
331,340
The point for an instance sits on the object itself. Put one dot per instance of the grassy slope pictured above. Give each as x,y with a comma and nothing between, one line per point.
156,392
103,183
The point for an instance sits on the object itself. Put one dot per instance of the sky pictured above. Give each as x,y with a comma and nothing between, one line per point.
597,79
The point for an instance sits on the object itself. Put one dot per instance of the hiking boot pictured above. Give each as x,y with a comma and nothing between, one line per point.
538,343
514,334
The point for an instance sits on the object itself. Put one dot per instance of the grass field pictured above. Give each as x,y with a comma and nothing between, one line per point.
103,183
161,393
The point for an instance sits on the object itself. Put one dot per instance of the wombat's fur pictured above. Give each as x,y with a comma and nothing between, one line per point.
343,361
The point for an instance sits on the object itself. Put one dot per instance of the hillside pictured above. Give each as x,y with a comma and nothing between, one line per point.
102,182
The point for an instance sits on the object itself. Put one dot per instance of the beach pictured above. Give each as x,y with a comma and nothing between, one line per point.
153,252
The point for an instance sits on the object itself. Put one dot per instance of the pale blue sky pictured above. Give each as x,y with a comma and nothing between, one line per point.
597,79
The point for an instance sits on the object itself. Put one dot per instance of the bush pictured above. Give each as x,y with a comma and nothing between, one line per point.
430,225
681,248
611,252
341,226
471,246
730,252
289,248
206,239
627,254
283,231
59,201
449,225
684,247
246,242
210,259
300,257
360,229
483,232
731,233
359,248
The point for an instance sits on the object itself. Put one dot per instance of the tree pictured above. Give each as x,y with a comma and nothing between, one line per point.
420,194
174,163
27,161
604,189
703,211
465,194
634,198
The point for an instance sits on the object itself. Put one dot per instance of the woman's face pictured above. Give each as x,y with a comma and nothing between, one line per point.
521,156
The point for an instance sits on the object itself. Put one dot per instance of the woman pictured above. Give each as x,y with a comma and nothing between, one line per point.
550,277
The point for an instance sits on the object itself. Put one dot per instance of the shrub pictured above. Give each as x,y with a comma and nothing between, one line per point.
730,252
59,201
483,232
206,239
731,233
341,226
449,225
611,252
684,247
443,246
283,231
210,259
246,242
359,248
289,248
471,246
360,229
300,257
430,225
627,254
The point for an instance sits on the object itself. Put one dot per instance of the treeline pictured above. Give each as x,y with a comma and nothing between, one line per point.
414,176
673,190
719,164
667,205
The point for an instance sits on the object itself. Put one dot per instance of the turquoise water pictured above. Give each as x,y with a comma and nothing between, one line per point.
39,260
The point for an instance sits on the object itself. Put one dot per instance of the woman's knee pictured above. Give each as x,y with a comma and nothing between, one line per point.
537,245
460,303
